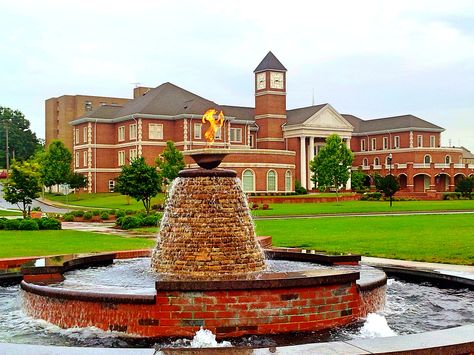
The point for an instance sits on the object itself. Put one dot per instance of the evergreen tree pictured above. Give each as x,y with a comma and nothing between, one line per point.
169,163
55,164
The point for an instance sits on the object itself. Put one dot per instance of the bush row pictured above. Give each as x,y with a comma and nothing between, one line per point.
455,196
377,196
140,220
44,223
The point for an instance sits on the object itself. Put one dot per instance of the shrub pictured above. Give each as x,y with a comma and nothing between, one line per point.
46,223
265,206
112,212
96,213
120,214
372,196
12,224
2,222
254,206
451,196
300,190
88,216
129,212
151,221
28,225
68,217
77,213
104,215
129,222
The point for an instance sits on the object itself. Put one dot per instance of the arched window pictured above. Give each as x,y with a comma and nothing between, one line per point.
376,161
248,181
365,162
288,181
387,160
271,180
447,159
427,159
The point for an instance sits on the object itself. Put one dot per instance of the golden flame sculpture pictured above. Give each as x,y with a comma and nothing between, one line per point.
214,124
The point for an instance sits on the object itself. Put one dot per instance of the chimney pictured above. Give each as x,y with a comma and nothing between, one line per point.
140,91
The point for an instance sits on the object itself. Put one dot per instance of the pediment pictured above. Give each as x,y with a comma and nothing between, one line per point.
328,118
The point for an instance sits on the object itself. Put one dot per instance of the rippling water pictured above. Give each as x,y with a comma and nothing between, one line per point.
410,308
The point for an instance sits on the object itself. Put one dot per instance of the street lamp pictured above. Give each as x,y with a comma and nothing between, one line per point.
389,160
7,152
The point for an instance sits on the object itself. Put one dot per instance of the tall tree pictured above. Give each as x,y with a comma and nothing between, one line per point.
77,181
23,186
389,185
140,181
22,142
331,166
55,164
169,163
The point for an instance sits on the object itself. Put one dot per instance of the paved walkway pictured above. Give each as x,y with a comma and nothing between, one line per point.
106,227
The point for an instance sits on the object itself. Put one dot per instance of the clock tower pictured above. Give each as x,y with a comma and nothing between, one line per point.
270,102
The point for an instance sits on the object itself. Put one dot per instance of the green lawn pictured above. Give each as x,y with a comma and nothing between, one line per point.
103,200
39,243
4,213
362,206
431,238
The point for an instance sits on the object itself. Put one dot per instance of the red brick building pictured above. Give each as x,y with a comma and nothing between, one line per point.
270,145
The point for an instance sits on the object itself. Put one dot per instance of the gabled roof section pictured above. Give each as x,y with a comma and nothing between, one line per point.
391,123
168,99
103,111
300,115
270,62
239,112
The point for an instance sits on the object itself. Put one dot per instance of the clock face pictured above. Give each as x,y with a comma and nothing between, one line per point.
276,80
261,81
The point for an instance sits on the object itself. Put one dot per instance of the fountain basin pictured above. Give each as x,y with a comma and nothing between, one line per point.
275,302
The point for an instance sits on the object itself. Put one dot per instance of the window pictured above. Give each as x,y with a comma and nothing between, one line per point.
121,133
427,159
236,134
362,145
419,141
288,181
77,160
373,144
447,159
251,141
84,158
133,154
365,162
133,131
121,157
111,185
84,134
271,180
432,141
88,105
396,142
248,181
155,131
218,134
387,160
376,161
197,127
385,142
76,136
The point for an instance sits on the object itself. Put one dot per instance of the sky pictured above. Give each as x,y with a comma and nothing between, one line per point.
371,59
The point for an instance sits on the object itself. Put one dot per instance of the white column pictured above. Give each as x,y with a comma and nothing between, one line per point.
348,184
311,157
303,161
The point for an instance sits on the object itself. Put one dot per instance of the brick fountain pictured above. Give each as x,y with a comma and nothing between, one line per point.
212,274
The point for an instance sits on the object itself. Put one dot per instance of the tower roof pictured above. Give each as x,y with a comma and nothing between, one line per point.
270,62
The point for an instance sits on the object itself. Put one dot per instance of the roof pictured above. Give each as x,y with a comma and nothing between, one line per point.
390,123
239,112
270,62
466,153
300,115
168,99
104,111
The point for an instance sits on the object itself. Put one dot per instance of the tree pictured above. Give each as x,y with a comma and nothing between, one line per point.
140,181
22,142
389,185
77,181
465,186
55,164
331,166
169,163
23,186
358,180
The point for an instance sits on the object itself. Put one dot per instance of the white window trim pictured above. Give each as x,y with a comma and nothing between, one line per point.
84,158
432,141
419,141
376,161
133,154
77,162
385,143
276,181
362,145
396,145
373,144
197,132
291,181
253,180
76,135
236,129
84,133
445,160
121,153
158,131
365,162
132,129
218,135
121,133
424,159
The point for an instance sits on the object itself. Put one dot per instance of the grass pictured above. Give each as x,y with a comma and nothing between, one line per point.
362,207
429,238
103,200
312,195
4,213
41,243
